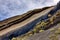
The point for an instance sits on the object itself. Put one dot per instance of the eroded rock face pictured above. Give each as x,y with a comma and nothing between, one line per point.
38,33
25,27
50,34
42,25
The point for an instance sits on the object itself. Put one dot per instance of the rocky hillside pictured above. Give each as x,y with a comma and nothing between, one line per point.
38,24
48,29
43,30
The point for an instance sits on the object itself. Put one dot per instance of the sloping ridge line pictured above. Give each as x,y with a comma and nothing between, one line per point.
23,18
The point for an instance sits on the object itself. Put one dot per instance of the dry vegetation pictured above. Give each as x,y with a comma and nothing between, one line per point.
56,34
